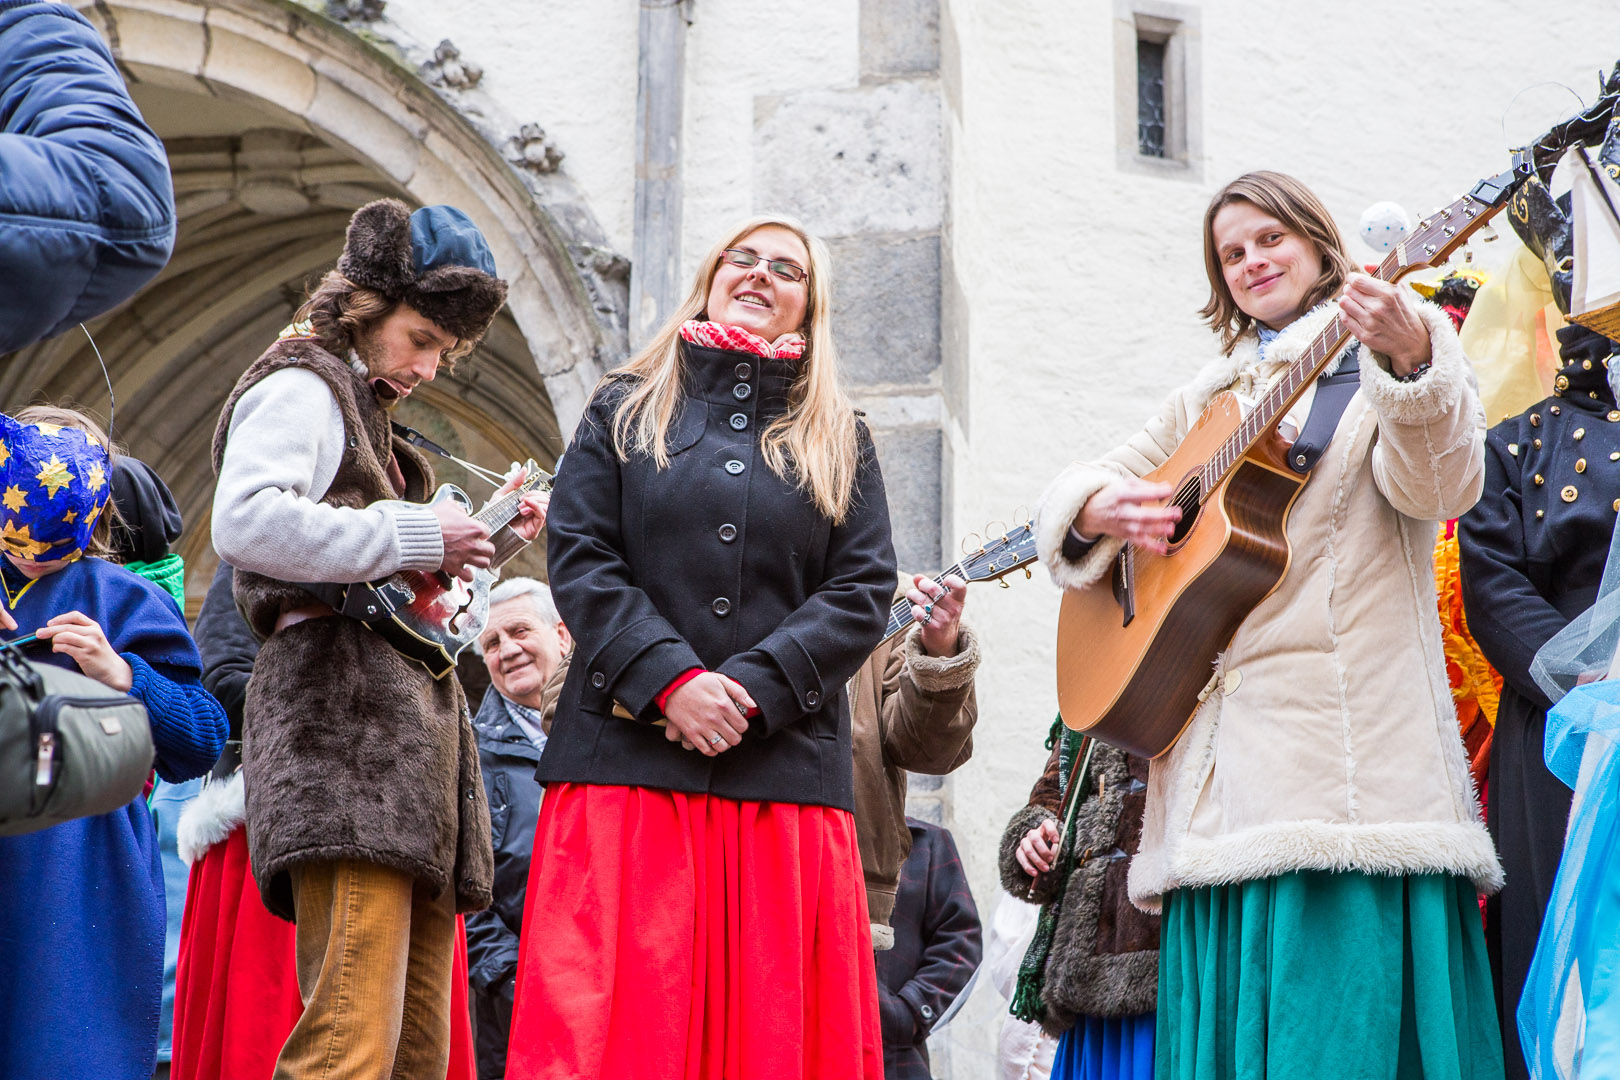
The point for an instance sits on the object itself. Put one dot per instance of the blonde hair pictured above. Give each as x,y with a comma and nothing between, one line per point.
1299,211
813,445
100,545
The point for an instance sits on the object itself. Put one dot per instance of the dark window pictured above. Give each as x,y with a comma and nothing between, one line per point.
1150,98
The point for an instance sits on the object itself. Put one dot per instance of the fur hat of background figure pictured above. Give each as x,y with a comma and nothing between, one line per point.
435,260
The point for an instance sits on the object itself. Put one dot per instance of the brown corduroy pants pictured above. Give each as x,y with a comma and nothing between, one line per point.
374,968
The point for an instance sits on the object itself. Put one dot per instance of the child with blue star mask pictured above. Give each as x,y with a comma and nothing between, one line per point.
82,902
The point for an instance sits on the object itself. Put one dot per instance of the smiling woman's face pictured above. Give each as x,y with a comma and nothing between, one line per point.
753,297
1268,268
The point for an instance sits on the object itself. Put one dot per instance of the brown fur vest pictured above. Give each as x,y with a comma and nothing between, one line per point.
349,750
1105,955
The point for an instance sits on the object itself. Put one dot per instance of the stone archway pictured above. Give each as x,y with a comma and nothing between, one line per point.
279,121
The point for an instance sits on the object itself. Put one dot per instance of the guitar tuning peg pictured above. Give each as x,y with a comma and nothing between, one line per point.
1028,573
1021,512
1003,583
996,528
971,543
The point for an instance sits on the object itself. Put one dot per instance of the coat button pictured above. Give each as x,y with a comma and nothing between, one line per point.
721,607
745,371
470,796
812,698
741,391
927,1012
734,466
739,421
728,533
598,679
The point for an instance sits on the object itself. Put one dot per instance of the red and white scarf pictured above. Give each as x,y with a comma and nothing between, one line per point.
715,335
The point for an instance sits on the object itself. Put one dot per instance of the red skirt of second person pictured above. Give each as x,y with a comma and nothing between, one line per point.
236,985
690,937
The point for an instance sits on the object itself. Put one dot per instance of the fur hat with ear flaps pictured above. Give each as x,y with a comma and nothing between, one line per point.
435,260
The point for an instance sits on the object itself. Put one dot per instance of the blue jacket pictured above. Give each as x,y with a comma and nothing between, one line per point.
86,202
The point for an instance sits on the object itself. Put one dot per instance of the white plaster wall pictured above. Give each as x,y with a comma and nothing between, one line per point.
1082,281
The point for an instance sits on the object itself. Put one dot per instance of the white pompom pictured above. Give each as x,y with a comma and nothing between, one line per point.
1383,225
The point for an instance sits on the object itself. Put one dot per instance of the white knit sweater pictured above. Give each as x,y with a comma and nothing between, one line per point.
285,442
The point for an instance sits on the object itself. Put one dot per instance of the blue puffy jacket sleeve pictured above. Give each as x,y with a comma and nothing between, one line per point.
86,202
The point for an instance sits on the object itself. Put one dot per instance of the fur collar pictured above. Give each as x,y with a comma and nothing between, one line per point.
1290,344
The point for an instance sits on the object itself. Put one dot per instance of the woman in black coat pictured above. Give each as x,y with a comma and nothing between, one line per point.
719,545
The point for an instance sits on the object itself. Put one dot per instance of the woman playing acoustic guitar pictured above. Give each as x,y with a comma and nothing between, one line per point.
1313,837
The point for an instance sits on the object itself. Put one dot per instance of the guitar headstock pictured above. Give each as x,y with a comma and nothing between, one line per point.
1433,239
535,478
998,558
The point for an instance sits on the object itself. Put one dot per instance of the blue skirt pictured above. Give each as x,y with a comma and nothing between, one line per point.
1120,1048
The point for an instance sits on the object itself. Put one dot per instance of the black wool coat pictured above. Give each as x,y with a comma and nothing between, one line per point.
1532,552
713,562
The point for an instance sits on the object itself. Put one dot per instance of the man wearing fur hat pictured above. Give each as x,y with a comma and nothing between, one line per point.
366,817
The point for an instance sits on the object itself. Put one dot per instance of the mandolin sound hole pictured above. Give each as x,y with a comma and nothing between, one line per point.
1189,497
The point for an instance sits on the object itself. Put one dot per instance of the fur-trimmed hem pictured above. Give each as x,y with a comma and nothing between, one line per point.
882,937
1398,848
1060,504
1013,877
212,816
1433,394
943,674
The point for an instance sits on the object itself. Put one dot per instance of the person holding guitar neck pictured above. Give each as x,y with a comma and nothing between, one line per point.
1313,837
366,819
719,547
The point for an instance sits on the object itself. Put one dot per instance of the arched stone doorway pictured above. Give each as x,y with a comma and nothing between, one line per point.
279,122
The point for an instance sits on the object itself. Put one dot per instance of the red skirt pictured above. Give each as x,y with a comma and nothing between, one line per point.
236,983
690,937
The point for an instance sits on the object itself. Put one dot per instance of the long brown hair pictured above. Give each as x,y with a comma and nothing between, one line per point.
100,545
813,444
339,311
1300,211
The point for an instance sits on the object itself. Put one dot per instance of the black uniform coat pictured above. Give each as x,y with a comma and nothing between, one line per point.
1532,555
714,562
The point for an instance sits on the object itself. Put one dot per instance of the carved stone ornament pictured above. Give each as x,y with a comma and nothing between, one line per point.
448,69
356,10
532,150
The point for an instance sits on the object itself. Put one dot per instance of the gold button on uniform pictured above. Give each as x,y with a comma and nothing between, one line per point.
1556,411
1569,494
1540,480
1580,466
1586,365
1537,444
1614,415
1513,448
1540,514
1535,419
1562,382
1580,433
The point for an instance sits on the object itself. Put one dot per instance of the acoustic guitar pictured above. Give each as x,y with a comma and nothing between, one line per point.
1136,650
429,615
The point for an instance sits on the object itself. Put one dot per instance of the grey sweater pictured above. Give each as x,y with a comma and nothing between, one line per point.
285,442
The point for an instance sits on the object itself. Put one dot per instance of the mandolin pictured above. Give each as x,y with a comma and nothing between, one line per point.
429,615
991,562
1135,651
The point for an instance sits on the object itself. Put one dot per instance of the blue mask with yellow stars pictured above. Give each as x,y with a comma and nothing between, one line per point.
53,487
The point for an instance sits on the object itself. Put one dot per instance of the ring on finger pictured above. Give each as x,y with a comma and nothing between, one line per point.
716,738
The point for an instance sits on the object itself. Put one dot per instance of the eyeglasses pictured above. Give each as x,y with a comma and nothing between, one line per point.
780,267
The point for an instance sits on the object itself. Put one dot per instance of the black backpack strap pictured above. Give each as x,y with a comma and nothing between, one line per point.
1333,394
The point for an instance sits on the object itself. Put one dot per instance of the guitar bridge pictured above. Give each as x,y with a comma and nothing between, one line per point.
1124,581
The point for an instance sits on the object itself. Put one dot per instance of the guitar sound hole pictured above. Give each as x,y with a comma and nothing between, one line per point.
1188,498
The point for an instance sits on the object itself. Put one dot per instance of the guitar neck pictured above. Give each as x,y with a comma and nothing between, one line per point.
900,619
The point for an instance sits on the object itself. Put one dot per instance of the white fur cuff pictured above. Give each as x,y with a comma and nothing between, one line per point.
209,818
1060,504
1436,393
882,937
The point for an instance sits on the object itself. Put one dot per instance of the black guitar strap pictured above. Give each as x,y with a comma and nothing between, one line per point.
1333,394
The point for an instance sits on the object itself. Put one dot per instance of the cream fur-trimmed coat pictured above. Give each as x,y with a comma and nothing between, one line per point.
1331,741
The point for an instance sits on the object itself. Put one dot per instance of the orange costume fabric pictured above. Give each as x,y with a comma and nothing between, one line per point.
236,983
1475,686
690,937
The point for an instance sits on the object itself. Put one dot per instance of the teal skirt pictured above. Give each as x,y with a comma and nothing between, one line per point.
1343,976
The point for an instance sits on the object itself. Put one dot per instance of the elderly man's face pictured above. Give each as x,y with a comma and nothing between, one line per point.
521,650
